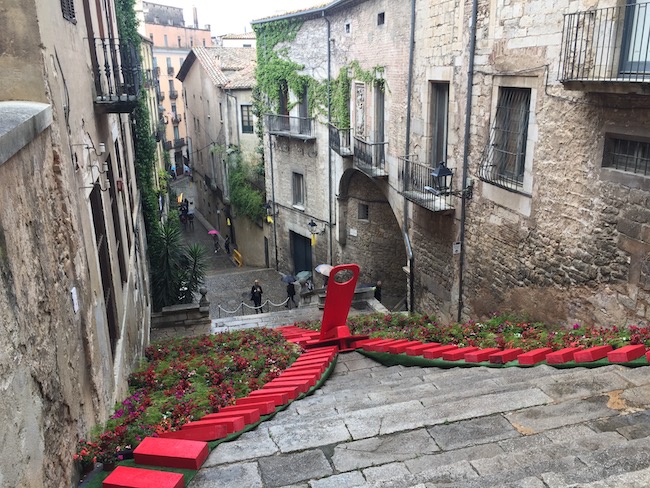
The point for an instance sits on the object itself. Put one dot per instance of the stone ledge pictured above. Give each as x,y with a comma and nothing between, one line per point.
20,123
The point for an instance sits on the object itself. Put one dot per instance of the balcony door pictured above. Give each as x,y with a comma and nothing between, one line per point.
636,46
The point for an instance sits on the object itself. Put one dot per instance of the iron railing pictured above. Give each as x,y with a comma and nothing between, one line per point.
161,95
608,44
170,70
180,142
340,140
117,74
176,119
156,72
370,157
297,127
416,184
167,145
173,94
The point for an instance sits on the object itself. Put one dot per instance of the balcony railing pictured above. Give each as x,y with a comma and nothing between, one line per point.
179,142
370,157
340,140
161,95
414,179
117,74
295,127
607,45
156,71
167,145
170,70
173,94
176,119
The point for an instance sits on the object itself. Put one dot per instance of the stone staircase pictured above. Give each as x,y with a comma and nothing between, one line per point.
377,426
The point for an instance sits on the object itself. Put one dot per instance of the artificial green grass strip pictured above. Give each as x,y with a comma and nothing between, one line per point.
388,359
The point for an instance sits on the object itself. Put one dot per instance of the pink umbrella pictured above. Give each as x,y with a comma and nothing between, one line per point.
213,232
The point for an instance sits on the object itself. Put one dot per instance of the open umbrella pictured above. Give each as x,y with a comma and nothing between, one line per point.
288,278
324,269
213,232
303,276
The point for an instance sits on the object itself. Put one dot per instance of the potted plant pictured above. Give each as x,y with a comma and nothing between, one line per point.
86,456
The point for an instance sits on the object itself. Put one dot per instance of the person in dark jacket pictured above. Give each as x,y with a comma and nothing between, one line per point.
378,291
291,295
256,296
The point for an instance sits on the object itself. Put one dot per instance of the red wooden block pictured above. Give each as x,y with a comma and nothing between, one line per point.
374,346
232,424
436,352
171,453
207,433
400,348
311,362
251,415
324,356
458,354
277,397
320,351
591,354
365,342
505,356
306,370
310,379
562,356
386,345
416,350
317,367
125,477
301,384
480,355
292,391
626,353
265,407
535,356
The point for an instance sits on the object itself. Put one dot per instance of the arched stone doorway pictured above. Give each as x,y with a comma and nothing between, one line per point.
369,234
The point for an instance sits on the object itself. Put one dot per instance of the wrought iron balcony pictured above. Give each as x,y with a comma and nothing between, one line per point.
170,70
167,145
340,140
156,71
414,179
173,94
117,74
161,95
179,142
607,50
370,157
294,127
176,119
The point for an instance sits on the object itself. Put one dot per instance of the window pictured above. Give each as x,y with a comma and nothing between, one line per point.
505,160
363,211
626,154
303,111
298,190
220,112
191,41
245,45
165,40
636,42
204,43
169,62
179,41
67,8
174,109
151,37
438,113
381,18
247,119
347,28
171,86
177,133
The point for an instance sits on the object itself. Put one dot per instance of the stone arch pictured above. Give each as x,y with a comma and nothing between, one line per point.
375,242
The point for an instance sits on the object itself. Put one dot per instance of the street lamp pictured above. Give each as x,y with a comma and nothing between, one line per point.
442,183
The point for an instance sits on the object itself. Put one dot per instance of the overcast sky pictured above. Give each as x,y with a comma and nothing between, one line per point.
234,16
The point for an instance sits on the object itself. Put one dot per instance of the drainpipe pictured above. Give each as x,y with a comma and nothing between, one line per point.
329,142
273,207
410,306
468,116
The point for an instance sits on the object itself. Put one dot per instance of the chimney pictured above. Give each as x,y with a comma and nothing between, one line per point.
196,18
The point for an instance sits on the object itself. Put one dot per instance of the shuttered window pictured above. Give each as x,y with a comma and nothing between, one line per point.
67,7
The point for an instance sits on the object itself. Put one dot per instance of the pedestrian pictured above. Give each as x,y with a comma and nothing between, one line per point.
256,295
291,294
378,291
226,244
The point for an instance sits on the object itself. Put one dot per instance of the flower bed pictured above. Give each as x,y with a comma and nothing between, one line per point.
183,380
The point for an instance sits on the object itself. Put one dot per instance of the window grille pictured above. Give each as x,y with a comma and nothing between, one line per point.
505,156
298,189
363,212
67,8
631,156
246,119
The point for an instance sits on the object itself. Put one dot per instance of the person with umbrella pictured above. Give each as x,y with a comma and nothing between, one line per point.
256,296
291,294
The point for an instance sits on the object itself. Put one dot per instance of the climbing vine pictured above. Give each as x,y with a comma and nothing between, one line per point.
243,196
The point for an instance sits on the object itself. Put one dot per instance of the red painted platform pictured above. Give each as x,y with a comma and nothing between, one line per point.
299,385
277,397
400,348
416,350
251,415
437,351
171,453
535,356
125,477
206,434
562,356
387,345
458,354
376,346
480,355
232,424
626,353
591,354
264,406
292,391
505,356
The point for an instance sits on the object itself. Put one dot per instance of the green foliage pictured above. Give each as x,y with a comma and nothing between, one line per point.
244,197
340,100
192,274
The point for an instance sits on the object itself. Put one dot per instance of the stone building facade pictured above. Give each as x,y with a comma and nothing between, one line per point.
217,86
547,213
172,41
75,304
